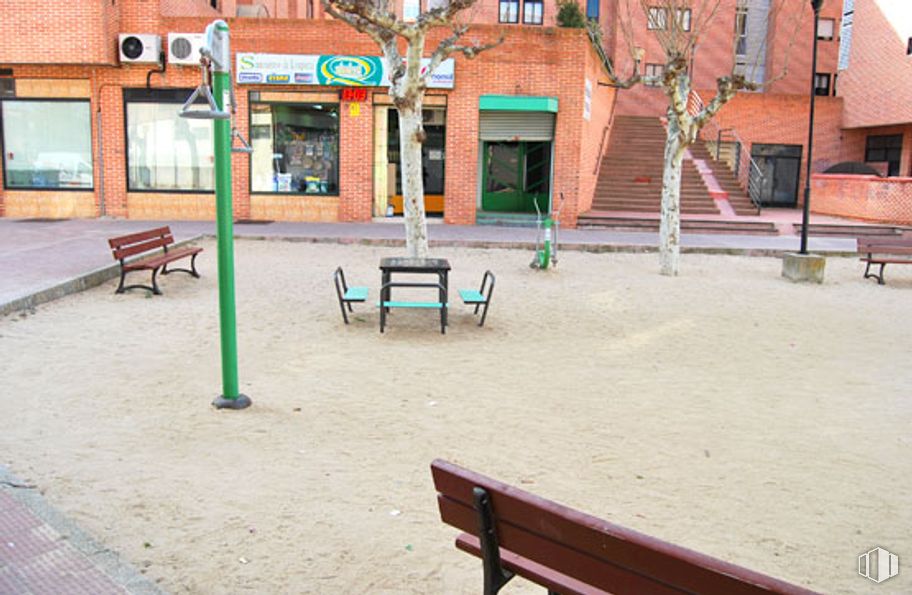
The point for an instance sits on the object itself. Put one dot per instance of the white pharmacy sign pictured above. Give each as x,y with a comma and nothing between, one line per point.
341,71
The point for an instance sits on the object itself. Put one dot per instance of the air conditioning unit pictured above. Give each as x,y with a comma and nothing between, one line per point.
184,48
139,48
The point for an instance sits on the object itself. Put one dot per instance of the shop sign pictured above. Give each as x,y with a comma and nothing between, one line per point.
345,71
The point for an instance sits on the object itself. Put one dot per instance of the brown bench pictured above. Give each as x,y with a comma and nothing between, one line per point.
884,251
138,245
569,552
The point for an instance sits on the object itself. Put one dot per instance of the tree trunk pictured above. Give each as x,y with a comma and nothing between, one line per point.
670,225
411,135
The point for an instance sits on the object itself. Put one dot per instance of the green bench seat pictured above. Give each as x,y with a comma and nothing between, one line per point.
436,305
471,296
355,294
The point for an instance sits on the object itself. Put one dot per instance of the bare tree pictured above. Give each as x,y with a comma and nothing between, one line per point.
678,27
408,81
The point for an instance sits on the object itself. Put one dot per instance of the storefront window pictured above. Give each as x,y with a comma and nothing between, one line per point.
165,152
47,144
295,148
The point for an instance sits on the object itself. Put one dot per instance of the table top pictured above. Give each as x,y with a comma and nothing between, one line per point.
418,265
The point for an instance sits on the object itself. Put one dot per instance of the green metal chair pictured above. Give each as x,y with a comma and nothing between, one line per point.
347,294
477,297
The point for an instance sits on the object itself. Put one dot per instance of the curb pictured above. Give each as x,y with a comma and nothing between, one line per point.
74,285
111,564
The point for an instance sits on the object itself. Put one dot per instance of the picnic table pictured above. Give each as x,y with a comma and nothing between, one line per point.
439,267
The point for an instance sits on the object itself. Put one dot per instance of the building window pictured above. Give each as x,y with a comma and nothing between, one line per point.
887,148
167,153
741,31
532,12
657,18
213,4
654,71
822,84
47,144
410,10
309,9
295,148
825,28
592,10
684,19
509,11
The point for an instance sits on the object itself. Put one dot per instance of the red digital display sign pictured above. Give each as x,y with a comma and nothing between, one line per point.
354,94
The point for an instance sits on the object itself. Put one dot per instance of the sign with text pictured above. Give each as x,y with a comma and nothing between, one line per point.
344,71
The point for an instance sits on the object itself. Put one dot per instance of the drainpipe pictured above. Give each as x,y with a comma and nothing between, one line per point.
101,187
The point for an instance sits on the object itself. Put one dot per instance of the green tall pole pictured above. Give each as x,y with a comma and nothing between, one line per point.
231,398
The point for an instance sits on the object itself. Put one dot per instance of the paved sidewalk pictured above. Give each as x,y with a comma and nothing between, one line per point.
41,552
44,260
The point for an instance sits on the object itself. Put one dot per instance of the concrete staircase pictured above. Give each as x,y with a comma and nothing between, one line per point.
726,179
630,177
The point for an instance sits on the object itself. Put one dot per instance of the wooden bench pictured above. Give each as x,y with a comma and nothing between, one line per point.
145,246
884,251
569,552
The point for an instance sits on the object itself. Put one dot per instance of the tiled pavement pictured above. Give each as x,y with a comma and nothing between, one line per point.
43,553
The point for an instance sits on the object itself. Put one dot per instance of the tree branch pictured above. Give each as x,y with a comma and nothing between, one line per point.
362,14
449,46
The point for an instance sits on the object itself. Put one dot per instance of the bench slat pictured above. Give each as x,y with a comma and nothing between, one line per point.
471,296
133,250
140,236
520,514
355,294
876,260
437,305
542,575
154,262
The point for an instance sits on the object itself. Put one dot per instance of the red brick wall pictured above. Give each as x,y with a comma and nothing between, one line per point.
877,85
532,61
72,32
783,119
596,133
885,200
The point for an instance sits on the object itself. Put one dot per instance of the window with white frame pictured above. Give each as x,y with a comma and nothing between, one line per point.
741,31
654,74
410,10
684,19
657,18
825,29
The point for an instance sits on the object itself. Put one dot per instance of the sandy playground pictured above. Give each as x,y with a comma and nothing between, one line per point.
726,410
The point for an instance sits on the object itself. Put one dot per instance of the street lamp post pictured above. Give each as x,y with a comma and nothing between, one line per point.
806,213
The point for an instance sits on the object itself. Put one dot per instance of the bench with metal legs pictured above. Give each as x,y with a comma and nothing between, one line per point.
477,298
347,295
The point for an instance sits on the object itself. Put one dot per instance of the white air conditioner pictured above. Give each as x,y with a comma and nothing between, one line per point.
184,48
139,48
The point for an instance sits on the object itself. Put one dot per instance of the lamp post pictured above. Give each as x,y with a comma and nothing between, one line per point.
806,214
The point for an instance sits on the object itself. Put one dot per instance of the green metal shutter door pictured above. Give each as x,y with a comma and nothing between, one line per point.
516,126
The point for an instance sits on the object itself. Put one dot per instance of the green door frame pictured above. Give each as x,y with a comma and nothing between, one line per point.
519,182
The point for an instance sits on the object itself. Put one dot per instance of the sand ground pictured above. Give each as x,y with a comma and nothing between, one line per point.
726,410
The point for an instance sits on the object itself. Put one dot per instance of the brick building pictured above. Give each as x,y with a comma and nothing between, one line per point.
88,132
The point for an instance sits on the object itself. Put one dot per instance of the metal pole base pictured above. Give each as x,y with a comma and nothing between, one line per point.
241,402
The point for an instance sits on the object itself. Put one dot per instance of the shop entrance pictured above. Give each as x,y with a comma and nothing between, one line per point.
433,156
516,176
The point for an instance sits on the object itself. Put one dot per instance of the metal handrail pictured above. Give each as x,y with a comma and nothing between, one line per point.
746,170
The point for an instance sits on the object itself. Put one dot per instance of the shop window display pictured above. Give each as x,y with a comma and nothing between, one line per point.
295,148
